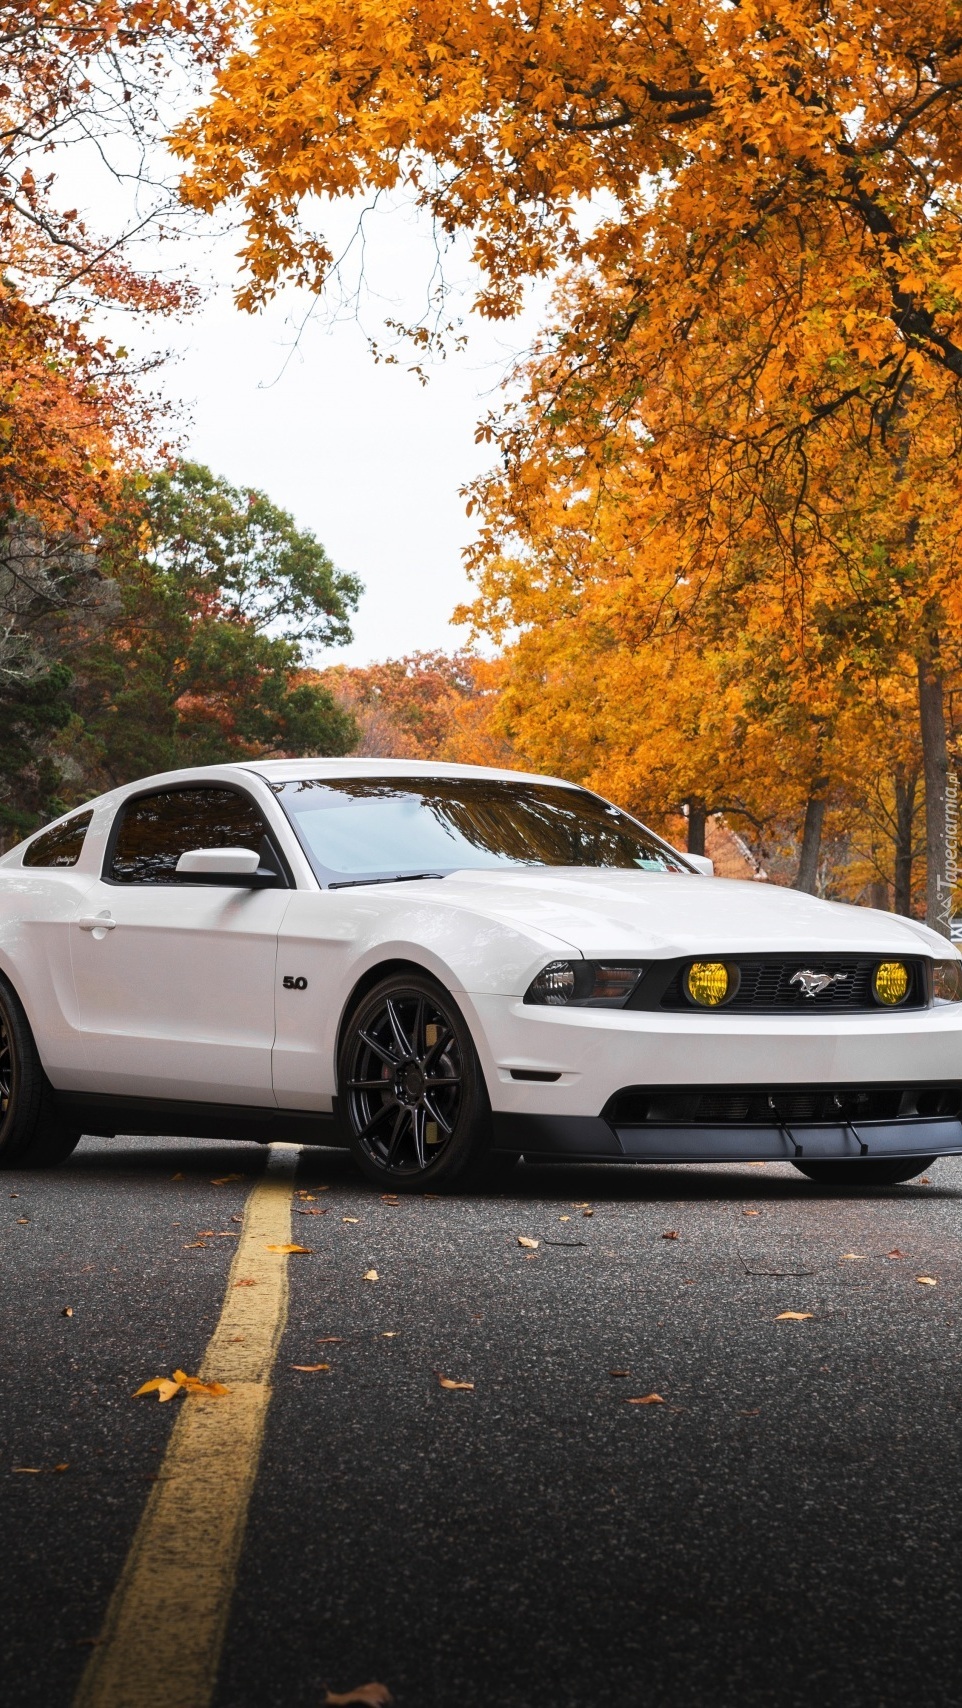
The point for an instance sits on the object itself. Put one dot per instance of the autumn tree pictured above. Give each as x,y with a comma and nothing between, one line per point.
779,168
73,417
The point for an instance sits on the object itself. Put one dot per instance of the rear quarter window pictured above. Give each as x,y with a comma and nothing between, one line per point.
60,846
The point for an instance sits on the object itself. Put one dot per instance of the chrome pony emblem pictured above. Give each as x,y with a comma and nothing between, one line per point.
813,983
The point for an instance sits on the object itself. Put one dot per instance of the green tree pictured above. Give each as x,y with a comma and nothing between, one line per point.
221,594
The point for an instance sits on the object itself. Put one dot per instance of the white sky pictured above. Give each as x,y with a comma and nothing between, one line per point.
361,453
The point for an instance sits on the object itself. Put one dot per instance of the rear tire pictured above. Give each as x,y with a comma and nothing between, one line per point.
865,1171
411,1095
32,1134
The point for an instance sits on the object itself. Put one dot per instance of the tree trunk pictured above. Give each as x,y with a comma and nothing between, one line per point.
807,878
697,817
935,768
904,819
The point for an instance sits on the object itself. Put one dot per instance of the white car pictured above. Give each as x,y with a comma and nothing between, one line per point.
434,964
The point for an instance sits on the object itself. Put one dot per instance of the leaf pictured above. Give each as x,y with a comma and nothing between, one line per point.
248,1281
67,1311
618,1372
389,1334
330,1340
853,1257
162,1386
370,1275
368,1695
225,1179
293,1250
195,1245
353,1219
896,1253
751,1212
587,1212
194,1385
446,1382
310,1366
529,1244
28,1470
926,1280
646,1400
794,1316
670,1233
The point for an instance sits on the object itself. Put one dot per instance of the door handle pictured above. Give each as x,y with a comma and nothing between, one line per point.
96,922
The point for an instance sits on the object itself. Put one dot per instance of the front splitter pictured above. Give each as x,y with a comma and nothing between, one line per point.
591,1138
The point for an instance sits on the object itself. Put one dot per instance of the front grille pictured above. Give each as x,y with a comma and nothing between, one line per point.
766,986
799,1106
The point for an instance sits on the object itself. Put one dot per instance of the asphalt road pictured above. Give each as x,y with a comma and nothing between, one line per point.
783,1529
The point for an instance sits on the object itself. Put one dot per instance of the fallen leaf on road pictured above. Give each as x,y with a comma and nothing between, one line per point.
446,1382
794,1316
896,1253
389,1333
924,1180
21,1220
926,1280
248,1281
330,1340
321,1212
225,1179
353,1219
853,1257
64,1467
28,1470
310,1366
564,1218
194,1385
162,1386
389,1198
670,1233
618,1372
529,1244
369,1695
195,1245
646,1400
587,1212
292,1250
370,1275
67,1311
751,1212
308,1195
176,1177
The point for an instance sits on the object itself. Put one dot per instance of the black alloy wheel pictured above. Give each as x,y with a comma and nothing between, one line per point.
32,1133
411,1094
865,1171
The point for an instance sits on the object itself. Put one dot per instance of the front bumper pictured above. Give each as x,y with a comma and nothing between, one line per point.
593,1054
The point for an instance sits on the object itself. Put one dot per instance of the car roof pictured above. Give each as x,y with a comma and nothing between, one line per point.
279,770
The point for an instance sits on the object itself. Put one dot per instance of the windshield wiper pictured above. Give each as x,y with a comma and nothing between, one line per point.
398,878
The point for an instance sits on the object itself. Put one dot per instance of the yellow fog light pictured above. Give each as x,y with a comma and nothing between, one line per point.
891,982
707,983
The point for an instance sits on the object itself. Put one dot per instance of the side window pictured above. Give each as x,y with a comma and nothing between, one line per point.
60,846
155,830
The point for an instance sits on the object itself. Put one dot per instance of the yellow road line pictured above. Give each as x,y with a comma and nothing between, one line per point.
167,1617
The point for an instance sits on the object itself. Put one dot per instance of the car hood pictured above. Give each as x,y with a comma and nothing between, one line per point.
613,912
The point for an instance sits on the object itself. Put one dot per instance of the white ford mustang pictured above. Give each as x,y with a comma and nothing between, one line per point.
432,964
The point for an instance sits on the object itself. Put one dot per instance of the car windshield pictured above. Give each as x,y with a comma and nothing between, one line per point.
361,829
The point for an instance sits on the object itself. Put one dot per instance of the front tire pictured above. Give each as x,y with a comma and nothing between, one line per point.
31,1132
870,1171
411,1094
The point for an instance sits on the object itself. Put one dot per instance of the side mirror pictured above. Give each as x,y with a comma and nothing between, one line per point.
701,864
238,867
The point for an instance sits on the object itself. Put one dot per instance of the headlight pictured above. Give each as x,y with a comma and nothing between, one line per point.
583,984
710,983
891,982
947,980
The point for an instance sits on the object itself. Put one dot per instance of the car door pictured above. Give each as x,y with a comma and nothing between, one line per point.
175,980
